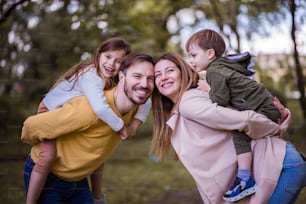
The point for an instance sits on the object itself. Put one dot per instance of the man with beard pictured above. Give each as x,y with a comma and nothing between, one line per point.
83,141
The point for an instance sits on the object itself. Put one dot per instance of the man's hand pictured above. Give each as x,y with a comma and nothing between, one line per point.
133,126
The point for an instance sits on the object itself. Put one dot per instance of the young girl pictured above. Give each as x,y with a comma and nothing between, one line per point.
89,79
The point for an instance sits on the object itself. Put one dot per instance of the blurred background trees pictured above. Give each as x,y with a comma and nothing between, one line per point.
40,39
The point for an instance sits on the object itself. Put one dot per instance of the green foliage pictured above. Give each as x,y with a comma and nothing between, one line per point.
11,116
233,16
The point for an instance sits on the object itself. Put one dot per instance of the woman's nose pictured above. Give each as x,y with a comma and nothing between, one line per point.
163,76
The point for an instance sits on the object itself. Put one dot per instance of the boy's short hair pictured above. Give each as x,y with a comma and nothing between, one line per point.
207,39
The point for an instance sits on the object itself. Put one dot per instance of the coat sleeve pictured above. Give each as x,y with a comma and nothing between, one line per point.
144,110
219,91
211,115
74,116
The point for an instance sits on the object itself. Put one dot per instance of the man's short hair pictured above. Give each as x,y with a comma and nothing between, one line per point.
134,57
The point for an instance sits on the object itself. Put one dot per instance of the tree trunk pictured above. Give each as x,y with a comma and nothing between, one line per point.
298,67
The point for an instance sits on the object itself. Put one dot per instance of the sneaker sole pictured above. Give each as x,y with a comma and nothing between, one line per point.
243,194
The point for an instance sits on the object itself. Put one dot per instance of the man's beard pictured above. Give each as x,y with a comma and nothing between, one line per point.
128,95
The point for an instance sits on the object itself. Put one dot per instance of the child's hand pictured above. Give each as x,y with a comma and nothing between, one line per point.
124,133
42,108
203,85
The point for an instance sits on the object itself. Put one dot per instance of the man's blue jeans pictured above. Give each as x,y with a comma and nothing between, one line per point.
58,191
292,178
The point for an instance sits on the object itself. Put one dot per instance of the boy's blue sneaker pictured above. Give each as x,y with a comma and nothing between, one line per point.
240,189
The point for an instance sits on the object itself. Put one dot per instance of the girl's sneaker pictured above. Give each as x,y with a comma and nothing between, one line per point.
101,200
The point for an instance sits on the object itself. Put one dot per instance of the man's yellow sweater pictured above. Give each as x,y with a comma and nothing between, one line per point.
83,141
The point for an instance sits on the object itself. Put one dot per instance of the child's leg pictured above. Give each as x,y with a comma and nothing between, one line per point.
47,156
96,185
244,184
244,154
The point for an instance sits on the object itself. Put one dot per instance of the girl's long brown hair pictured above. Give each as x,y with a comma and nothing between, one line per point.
111,44
162,107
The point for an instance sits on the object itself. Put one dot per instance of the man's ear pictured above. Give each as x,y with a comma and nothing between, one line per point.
211,53
121,75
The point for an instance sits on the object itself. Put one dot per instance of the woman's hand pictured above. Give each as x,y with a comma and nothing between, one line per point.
285,123
203,85
282,109
285,119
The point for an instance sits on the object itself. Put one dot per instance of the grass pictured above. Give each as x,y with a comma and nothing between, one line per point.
135,178
11,179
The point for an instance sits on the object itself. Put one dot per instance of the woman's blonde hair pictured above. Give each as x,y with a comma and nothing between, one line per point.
162,107
111,44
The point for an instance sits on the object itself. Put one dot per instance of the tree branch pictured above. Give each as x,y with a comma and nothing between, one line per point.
7,13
